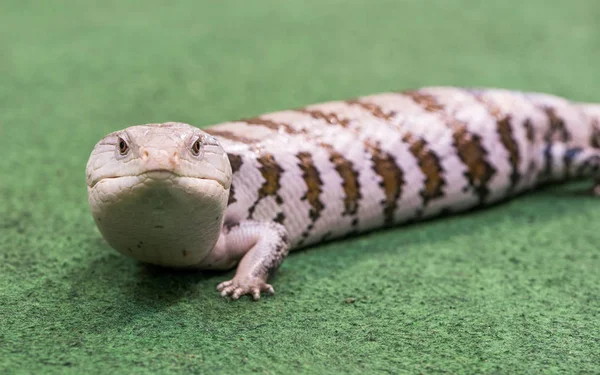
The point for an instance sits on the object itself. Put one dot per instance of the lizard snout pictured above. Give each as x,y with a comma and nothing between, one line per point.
159,159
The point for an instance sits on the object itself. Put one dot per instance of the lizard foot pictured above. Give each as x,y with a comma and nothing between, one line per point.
236,288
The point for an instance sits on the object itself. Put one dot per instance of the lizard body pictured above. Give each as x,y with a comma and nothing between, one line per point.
247,192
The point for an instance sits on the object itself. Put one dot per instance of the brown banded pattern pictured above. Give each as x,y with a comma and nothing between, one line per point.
508,141
343,166
595,136
392,179
271,172
480,171
384,139
529,130
383,163
230,135
507,138
330,118
350,183
426,101
468,146
314,188
372,108
236,163
276,126
428,161
430,165
557,131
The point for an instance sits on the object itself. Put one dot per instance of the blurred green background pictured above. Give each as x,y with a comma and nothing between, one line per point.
512,289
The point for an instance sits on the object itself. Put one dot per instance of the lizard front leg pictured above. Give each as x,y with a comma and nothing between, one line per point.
259,247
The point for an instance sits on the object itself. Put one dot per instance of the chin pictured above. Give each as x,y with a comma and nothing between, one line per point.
158,217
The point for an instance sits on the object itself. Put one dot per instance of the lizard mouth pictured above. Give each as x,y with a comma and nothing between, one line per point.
159,174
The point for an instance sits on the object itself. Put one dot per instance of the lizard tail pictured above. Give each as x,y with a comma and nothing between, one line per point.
592,112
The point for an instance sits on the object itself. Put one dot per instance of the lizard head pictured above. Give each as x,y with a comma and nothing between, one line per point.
158,192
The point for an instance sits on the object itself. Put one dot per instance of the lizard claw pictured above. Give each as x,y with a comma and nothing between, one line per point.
237,288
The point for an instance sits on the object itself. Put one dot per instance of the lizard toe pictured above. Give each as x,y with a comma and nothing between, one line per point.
269,289
237,293
224,284
235,289
228,290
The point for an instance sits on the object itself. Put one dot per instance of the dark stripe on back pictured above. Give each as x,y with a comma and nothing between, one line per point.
230,135
426,101
468,145
392,179
428,161
430,166
271,172
471,152
236,164
350,183
314,188
529,130
373,109
506,137
330,117
505,132
384,165
595,136
557,130
343,166
277,126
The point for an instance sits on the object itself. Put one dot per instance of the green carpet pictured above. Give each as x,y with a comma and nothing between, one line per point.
512,289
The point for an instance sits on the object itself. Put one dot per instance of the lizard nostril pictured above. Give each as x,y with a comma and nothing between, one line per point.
174,159
145,155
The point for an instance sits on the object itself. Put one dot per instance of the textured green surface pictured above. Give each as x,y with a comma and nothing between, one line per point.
512,289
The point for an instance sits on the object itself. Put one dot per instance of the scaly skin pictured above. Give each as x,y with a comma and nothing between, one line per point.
246,193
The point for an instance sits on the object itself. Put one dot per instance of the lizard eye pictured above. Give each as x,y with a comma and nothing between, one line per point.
123,147
196,147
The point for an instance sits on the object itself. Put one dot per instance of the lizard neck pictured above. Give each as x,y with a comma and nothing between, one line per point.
173,224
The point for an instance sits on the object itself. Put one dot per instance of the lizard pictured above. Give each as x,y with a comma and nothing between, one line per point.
245,193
